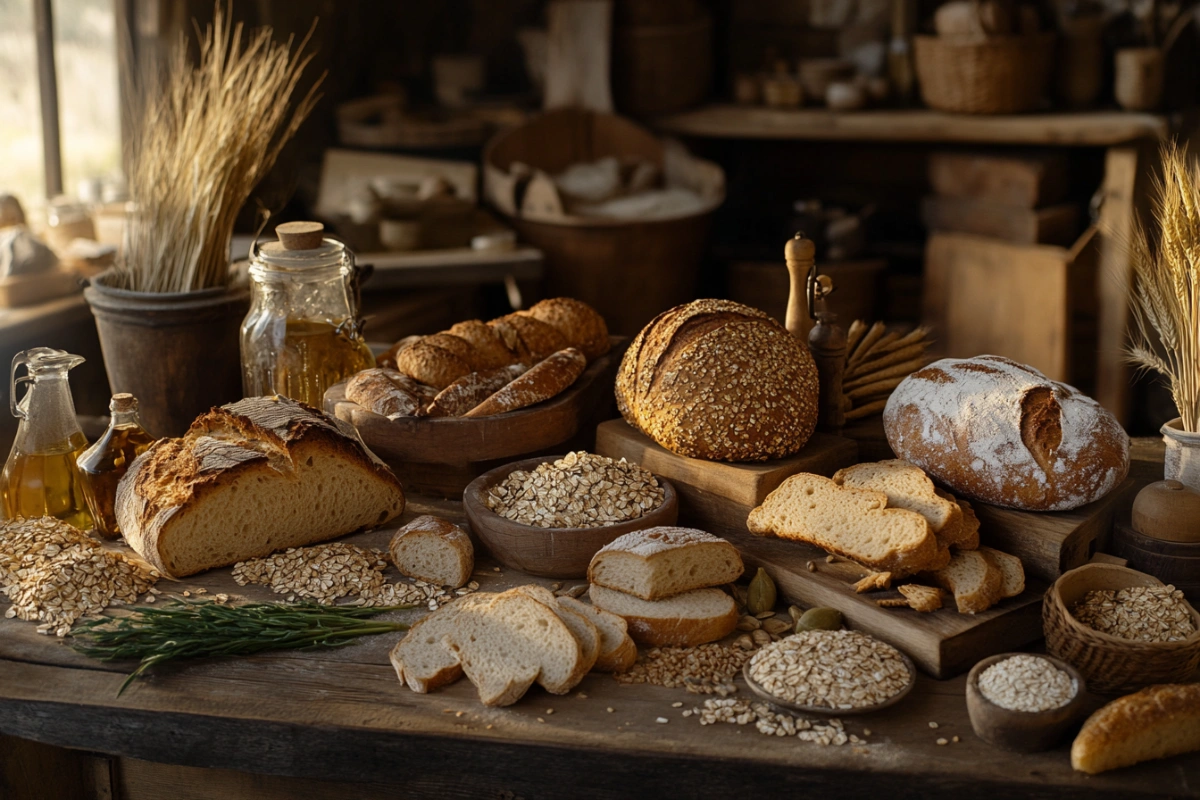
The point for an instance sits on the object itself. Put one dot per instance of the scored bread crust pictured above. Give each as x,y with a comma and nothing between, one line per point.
1003,433
490,351
386,392
539,338
442,533
470,390
548,378
436,366
718,380
271,437
657,624
578,322
1157,722
658,562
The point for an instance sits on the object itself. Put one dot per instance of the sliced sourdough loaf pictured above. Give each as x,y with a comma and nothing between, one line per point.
423,659
248,479
687,619
1157,722
977,583
660,562
433,550
853,523
907,486
617,650
1012,571
582,628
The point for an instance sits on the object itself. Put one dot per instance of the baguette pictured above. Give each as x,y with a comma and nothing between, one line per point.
547,379
386,392
1157,722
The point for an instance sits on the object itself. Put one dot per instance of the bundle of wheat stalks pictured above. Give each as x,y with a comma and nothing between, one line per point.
1166,299
203,138
876,362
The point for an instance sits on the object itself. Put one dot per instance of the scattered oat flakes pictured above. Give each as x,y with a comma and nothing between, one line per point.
704,669
942,741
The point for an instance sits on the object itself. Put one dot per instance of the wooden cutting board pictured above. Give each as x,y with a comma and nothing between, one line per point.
717,496
943,643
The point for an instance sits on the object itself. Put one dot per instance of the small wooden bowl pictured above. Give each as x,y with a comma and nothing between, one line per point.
550,552
1023,731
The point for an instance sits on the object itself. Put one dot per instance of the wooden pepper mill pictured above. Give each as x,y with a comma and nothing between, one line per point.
826,339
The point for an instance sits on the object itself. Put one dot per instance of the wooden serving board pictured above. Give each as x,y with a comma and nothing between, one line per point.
943,643
718,495
438,457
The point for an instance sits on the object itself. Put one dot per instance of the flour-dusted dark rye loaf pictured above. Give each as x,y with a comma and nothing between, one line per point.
248,479
1003,433
718,380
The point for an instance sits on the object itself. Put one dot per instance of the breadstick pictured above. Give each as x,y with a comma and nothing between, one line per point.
915,335
879,348
867,410
897,357
862,377
873,389
868,340
857,329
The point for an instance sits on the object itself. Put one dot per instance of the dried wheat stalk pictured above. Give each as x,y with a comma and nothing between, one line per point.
205,136
1166,298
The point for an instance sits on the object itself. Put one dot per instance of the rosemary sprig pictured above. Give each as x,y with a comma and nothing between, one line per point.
205,629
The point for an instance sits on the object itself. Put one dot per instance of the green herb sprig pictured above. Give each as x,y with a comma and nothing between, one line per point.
205,629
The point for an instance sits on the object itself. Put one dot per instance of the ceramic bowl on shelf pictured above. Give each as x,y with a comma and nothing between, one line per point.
550,552
1023,731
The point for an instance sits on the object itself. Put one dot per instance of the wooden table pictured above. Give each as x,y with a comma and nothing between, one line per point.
338,724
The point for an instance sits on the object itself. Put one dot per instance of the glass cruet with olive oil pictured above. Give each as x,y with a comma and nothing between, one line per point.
302,334
102,465
40,477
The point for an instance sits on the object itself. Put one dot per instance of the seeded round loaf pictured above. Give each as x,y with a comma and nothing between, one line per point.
718,380
1003,433
581,324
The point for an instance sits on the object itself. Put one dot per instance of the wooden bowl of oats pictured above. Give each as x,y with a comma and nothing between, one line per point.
537,529
1024,702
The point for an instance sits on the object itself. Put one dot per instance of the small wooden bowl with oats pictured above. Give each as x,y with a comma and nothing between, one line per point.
550,552
998,709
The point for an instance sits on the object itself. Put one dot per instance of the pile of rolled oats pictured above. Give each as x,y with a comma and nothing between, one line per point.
705,669
1140,613
329,572
771,723
580,490
1026,683
55,574
830,669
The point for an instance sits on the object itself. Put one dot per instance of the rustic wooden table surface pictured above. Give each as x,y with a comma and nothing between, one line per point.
304,725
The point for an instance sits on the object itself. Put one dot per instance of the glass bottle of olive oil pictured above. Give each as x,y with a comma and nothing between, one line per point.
40,476
102,465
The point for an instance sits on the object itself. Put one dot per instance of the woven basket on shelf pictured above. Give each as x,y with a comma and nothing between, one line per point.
997,75
1109,663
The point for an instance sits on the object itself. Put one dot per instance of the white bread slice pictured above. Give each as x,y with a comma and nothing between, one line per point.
433,550
1157,722
584,631
685,620
1011,569
617,650
422,659
976,582
853,523
660,562
906,486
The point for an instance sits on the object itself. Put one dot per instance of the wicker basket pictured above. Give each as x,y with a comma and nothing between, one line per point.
997,75
1108,663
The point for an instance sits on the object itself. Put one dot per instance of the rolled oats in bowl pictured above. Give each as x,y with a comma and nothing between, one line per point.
1139,613
1027,683
580,490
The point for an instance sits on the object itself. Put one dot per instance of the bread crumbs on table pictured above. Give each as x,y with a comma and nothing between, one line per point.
943,741
609,709
459,713
933,725
581,696
955,739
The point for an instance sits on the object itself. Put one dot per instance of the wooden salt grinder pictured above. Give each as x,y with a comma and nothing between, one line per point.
826,340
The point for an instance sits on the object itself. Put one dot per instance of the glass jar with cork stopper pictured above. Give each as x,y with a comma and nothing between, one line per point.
302,334
102,465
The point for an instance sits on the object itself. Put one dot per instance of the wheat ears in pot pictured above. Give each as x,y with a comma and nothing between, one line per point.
203,137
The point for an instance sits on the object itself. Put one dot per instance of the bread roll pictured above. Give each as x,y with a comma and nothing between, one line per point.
1157,722
581,325
535,337
1003,433
490,351
428,363
718,380
433,550
387,392
248,479
388,359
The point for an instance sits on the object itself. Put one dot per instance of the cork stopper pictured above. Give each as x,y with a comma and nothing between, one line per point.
123,402
799,249
300,235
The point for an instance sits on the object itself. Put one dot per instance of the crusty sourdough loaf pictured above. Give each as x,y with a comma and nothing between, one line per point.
683,620
580,324
852,523
718,380
617,650
248,479
1157,722
1003,433
433,550
659,562
548,378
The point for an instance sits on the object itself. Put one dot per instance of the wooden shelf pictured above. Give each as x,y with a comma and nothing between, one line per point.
1081,129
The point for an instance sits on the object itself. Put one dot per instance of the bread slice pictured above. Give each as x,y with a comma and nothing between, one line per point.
921,598
248,479
853,523
1157,722
617,650
687,619
660,562
976,582
433,550
1011,569
906,486
422,659
967,535
582,628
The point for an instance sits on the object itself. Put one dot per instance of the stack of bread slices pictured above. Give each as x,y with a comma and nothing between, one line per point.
889,517
662,581
506,642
